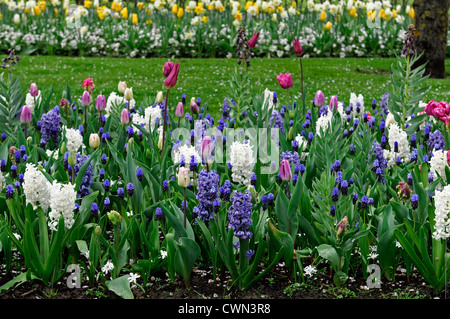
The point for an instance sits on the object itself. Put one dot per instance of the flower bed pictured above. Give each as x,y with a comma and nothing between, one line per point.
112,190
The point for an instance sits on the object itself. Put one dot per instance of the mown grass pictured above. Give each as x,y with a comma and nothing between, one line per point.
209,78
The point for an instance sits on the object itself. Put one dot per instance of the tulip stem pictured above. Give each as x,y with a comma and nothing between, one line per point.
164,123
25,131
301,77
184,208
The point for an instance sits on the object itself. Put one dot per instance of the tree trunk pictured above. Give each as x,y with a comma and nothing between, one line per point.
431,22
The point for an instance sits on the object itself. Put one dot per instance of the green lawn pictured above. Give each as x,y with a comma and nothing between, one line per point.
209,78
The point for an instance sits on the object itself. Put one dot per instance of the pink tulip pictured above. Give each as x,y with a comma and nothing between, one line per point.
369,116
297,47
207,146
430,107
285,170
124,117
448,158
168,66
319,99
179,111
25,115
100,103
34,90
438,112
333,102
86,98
171,80
285,80
88,84
253,40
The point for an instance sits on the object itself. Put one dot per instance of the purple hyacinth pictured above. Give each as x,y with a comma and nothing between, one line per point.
86,182
50,124
276,121
436,141
208,187
292,157
239,215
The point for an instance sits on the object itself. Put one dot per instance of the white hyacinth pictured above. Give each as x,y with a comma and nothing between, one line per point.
242,162
354,100
2,181
396,134
302,143
36,187
62,203
187,151
441,218
438,162
323,122
31,101
115,103
74,139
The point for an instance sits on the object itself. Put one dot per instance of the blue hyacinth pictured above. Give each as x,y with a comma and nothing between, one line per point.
239,215
86,181
208,187
50,124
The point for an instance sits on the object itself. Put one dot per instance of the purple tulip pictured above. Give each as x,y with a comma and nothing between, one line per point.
86,98
285,170
333,102
319,99
179,112
100,103
25,115
168,66
34,90
171,79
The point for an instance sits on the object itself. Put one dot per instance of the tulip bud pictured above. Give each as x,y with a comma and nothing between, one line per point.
114,217
88,84
171,80
159,97
122,87
128,94
194,108
100,103
86,98
253,40
285,170
98,231
291,133
160,142
124,117
72,160
25,115
207,146
285,80
253,192
342,227
34,90
297,47
179,111
183,177
94,140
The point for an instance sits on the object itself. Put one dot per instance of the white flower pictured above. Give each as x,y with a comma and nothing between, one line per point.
163,254
323,122
115,103
62,203
242,162
107,267
396,134
74,139
36,187
133,277
31,101
438,162
302,146
2,181
310,270
357,102
441,218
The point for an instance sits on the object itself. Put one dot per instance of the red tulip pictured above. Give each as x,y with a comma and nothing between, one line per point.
171,80
253,40
285,80
88,84
297,47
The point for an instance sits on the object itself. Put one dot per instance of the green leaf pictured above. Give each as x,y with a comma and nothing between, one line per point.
121,287
329,253
187,252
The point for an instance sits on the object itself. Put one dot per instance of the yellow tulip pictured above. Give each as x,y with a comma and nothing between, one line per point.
134,18
42,5
412,14
248,4
211,7
174,9
37,11
294,4
323,16
26,10
205,19
328,26
382,14
394,14
113,6
180,13
148,21
353,12
124,13
101,15
56,11
140,5
87,4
